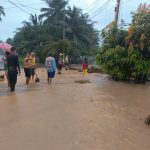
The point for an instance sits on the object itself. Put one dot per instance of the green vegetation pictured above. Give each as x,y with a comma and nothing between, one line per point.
1,12
59,28
21,60
125,53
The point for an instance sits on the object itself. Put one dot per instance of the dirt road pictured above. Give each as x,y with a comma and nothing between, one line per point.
101,115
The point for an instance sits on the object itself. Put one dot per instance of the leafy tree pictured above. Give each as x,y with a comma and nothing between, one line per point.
80,29
9,41
62,29
111,36
125,54
139,31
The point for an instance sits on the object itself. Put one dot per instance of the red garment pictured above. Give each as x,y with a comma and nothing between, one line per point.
84,65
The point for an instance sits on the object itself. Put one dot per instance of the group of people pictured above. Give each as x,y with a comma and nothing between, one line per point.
50,65
12,67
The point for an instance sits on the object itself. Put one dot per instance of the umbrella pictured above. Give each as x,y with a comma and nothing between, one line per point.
5,46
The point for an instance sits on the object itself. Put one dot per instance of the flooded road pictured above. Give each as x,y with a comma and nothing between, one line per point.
101,115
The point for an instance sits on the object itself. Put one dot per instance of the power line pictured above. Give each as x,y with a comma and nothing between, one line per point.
17,6
24,6
127,1
31,7
85,6
27,6
102,8
92,4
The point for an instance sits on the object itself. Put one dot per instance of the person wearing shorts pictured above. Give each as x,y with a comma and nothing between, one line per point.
27,69
50,65
60,63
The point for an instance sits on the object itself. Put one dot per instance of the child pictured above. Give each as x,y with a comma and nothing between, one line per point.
85,66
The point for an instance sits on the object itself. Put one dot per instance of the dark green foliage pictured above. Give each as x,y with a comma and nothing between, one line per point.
123,64
125,55
57,29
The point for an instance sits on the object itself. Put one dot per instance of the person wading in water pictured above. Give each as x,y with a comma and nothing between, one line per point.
50,65
27,68
13,68
60,63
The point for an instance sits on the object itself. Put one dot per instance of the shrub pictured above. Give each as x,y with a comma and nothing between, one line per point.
124,64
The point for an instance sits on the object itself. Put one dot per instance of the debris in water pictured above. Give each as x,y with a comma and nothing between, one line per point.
147,120
83,81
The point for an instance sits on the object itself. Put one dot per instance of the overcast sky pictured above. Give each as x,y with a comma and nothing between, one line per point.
102,15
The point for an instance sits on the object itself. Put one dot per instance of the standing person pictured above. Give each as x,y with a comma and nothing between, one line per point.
85,66
32,62
50,65
67,62
13,68
27,68
60,63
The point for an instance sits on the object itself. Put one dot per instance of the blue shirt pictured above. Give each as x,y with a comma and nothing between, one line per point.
50,64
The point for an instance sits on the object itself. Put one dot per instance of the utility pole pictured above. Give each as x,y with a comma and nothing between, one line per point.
117,11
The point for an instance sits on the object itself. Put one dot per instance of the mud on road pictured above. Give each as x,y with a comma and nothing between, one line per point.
101,115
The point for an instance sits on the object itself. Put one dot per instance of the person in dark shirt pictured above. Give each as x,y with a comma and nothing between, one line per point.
13,68
60,63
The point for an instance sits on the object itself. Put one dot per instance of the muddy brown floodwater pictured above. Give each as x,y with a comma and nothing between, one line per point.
101,115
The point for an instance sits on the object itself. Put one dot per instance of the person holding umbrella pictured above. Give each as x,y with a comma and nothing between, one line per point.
13,68
4,50
5,46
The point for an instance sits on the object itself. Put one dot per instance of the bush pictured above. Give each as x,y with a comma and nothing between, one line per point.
124,64
21,60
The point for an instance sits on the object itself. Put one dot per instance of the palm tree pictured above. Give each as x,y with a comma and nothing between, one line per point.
55,10
79,28
1,12
33,21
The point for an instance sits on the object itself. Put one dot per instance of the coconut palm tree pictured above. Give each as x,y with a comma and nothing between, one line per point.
54,11
33,21
1,12
79,28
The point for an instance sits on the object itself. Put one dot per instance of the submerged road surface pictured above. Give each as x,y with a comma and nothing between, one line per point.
101,115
